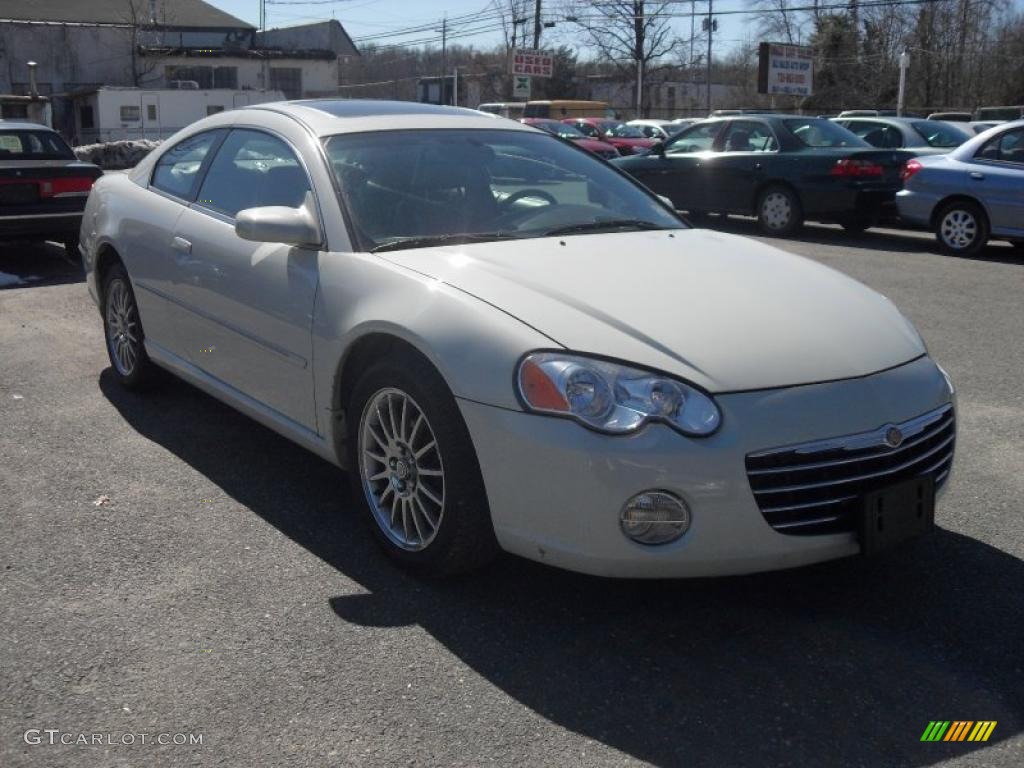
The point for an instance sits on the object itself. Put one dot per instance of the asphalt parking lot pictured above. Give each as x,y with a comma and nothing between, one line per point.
169,566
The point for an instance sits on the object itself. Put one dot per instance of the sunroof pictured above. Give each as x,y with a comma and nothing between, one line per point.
369,108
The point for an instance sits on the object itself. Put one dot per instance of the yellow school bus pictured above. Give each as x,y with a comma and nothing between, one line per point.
560,108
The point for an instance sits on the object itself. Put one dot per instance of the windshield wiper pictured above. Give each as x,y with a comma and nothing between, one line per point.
402,243
597,226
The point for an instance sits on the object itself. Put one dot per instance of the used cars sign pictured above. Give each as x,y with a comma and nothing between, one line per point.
526,61
787,69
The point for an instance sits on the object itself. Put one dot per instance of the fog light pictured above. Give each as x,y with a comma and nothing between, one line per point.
655,517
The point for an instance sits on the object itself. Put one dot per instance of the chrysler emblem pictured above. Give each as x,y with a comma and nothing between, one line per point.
893,437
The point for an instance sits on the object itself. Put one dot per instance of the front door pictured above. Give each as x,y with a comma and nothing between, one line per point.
249,305
736,171
998,180
679,172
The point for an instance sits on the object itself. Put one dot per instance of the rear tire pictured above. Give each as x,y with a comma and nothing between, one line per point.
71,250
122,330
779,211
961,228
414,470
857,223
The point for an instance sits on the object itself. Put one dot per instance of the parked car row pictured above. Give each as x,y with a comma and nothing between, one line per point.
854,171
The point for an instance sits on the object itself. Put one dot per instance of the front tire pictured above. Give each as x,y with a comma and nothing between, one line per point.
413,467
122,330
961,228
779,211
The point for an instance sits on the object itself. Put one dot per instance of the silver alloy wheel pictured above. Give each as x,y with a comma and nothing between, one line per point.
776,210
122,328
401,469
959,229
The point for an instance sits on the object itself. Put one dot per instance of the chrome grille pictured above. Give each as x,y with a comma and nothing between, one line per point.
816,487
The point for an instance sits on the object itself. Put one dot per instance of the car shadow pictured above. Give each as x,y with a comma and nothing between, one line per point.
881,239
27,264
843,663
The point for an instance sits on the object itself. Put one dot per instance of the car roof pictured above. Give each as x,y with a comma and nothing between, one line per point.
326,117
24,125
972,145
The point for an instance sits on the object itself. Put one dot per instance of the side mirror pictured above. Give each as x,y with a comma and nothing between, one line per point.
280,224
658,149
667,201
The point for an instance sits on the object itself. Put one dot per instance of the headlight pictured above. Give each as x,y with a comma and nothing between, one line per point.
611,397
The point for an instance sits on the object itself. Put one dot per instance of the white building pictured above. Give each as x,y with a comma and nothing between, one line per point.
111,113
82,45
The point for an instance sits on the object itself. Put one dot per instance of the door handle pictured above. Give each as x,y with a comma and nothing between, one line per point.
977,176
181,245
757,166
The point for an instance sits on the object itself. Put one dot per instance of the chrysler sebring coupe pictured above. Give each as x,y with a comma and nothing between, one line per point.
511,345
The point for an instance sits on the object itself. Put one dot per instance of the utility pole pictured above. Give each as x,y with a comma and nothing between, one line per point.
711,25
536,26
444,45
638,29
263,44
693,34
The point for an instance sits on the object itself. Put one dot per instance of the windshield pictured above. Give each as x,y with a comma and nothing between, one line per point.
565,130
481,184
939,134
622,131
33,145
821,134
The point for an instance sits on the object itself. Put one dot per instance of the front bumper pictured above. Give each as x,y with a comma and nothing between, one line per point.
555,489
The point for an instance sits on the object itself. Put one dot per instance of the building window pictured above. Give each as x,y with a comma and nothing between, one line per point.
225,77
208,77
288,80
130,114
151,112
203,76
85,118
213,109
14,111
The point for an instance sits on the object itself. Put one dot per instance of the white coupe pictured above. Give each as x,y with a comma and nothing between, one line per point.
509,344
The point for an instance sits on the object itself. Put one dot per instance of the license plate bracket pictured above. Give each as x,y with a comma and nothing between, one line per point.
896,513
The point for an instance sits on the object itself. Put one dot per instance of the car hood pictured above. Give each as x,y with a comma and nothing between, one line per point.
627,142
725,312
594,145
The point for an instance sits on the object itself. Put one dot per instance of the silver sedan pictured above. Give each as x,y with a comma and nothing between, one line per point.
511,345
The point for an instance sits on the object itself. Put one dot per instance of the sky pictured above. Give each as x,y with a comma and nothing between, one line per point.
472,20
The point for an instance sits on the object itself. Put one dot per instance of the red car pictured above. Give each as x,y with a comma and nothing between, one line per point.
628,139
574,134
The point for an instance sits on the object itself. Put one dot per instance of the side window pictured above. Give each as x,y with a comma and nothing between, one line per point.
588,130
253,169
700,138
746,136
1007,147
876,134
178,168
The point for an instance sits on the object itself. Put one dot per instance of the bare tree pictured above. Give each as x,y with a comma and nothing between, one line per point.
140,16
632,34
512,15
777,22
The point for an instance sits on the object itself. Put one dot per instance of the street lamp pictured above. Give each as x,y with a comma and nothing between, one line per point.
904,66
